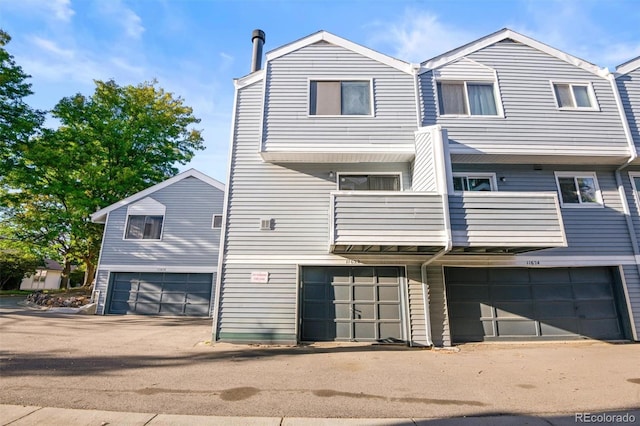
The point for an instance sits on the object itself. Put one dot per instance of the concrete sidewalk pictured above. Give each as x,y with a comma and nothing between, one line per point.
19,415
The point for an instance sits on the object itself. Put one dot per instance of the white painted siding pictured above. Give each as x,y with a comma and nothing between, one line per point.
424,166
439,320
417,320
533,125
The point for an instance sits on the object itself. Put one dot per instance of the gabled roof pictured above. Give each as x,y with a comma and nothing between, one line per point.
628,66
101,215
339,41
504,34
52,265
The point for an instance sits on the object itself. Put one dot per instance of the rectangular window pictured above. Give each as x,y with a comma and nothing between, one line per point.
140,227
340,98
573,95
578,189
40,276
217,221
476,182
369,183
466,98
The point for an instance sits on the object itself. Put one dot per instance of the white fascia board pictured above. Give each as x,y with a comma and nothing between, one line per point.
247,80
628,66
100,215
503,34
339,41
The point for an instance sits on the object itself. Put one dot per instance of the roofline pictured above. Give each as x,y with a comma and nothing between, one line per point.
339,41
100,215
503,34
629,66
248,79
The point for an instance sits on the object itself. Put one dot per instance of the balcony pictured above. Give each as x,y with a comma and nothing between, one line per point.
387,223
414,223
505,222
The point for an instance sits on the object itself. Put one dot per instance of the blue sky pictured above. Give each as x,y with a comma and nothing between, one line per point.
194,48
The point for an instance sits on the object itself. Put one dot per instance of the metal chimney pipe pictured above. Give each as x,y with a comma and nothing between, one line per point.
257,38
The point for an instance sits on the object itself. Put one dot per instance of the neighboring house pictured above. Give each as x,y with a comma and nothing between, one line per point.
472,197
160,248
47,277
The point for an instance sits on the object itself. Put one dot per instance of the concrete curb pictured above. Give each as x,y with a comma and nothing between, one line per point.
19,415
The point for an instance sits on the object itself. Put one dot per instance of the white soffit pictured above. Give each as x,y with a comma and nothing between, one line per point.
339,41
101,215
628,66
504,34
248,79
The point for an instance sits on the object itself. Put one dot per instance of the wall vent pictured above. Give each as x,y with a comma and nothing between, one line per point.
266,224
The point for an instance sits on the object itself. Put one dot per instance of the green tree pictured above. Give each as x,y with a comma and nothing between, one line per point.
110,145
17,258
18,121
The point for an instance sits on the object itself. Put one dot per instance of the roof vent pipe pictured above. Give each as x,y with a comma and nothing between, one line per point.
257,38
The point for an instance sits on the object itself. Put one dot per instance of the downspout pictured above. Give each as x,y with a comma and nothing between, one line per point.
623,197
443,172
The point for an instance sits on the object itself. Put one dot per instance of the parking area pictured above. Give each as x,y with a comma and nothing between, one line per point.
168,365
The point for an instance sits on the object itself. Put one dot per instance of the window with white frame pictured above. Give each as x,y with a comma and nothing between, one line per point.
40,276
574,95
348,182
217,221
578,189
340,97
467,98
474,182
142,227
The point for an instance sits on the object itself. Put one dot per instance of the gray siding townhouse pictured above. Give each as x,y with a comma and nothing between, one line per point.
160,248
472,197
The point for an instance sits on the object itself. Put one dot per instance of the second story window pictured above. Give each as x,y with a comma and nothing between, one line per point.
340,97
369,183
144,227
466,98
578,189
474,182
574,95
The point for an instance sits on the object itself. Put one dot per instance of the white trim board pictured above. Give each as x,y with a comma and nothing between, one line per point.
341,42
160,269
100,215
628,66
504,34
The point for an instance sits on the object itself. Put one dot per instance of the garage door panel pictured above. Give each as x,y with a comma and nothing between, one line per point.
532,303
364,292
470,292
545,292
514,310
160,293
561,327
517,328
600,328
510,292
360,301
555,309
592,290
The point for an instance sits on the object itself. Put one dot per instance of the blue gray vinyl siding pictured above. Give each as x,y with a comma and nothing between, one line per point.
100,290
532,125
629,88
438,316
590,231
402,218
632,281
424,165
287,124
500,219
417,312
187,236
297,200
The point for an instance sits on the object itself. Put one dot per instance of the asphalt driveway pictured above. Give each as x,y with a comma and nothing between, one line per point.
168,365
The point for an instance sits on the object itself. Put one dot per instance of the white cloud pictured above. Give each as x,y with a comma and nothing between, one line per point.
418,36
59,10
132,23
121,15
50,46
